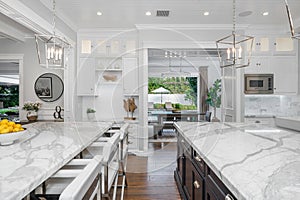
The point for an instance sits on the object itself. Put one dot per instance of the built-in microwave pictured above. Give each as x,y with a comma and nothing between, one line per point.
259,83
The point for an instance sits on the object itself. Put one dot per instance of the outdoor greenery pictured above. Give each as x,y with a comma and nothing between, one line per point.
176,85
9,95
214,94
176,106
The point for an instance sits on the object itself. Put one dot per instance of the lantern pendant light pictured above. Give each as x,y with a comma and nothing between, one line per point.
51,48
294,35
235,50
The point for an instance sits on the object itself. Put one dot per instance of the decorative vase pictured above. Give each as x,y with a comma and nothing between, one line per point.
214,118
32,115
91,116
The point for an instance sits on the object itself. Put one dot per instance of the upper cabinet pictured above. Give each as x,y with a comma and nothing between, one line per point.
107,47
277,55
274,45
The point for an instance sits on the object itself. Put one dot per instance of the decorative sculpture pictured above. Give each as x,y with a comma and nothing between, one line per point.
129,106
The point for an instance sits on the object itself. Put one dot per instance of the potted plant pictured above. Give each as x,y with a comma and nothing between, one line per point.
32,109
214,98
90,113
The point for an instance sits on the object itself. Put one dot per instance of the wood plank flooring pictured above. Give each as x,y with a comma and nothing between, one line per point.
151,176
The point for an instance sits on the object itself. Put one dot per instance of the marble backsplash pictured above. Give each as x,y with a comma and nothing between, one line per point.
278,105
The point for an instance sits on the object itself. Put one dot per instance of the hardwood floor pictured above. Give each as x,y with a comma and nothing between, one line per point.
151,176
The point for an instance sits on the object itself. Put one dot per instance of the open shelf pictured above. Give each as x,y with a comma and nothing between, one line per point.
109,70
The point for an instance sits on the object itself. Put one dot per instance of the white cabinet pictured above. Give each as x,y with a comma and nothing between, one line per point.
130,76
260,120
274,45
285,75
258,65
86,77
133,137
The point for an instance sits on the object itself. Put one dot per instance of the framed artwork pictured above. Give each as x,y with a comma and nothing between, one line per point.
43,87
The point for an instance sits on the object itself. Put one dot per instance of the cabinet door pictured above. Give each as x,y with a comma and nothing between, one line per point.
258,65
86,77
261,46
198,185
188,187
180,159
285,75
130,76
85,47
283,46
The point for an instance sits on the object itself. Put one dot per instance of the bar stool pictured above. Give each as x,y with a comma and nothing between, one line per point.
73,184
123,155
108,148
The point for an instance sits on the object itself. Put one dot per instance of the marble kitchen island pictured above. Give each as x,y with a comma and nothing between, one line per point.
44,148
253,161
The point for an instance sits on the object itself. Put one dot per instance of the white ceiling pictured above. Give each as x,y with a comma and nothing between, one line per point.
126,13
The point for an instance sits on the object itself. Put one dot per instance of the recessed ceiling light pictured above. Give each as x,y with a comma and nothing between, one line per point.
265,13
206,13
148,13
245,13
99,13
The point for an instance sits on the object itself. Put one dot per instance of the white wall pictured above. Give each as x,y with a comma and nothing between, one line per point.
32,70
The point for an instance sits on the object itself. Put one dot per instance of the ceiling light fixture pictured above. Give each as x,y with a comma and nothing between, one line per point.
235,50
265,13
294,35
148,13
51,48
206,13
99,13
171,73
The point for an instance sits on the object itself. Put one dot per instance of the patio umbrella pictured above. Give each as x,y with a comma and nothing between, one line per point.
161,91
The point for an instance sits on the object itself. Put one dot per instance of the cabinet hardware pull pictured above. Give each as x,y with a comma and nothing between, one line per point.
196,184
229,197
198,159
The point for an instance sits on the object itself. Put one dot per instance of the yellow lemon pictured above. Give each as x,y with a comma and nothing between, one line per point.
4,121
17,125
11,123
4,131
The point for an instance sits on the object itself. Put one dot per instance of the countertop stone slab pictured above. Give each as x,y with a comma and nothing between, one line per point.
44,148
254,161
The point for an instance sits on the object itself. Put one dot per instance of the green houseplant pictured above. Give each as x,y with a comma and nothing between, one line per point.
214,97
32,109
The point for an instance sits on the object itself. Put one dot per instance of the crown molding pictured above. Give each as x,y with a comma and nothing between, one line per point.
20,13
190,26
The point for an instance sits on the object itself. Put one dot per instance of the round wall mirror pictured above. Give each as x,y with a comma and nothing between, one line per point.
49,87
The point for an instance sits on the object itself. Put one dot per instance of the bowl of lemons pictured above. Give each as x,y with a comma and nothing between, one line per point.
10,132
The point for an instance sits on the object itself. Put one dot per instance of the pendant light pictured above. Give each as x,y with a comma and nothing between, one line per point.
294,35
51,48
235,50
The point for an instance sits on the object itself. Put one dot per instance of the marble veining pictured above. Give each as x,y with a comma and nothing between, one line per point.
44,149
254,161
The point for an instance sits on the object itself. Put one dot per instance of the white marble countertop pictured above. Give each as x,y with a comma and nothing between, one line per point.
254,161
45,147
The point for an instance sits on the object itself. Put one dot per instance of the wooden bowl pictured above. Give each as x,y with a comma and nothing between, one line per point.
110,77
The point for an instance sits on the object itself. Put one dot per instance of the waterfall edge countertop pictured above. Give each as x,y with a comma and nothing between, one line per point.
254,161
44,148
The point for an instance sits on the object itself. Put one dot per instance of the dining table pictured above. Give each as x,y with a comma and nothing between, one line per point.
43,149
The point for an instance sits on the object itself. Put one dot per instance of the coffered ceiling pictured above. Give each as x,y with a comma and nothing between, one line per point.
126,13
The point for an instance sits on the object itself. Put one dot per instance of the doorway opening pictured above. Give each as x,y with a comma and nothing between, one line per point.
9,90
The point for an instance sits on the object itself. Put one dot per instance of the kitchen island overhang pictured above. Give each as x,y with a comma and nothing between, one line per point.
45,148
253,161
